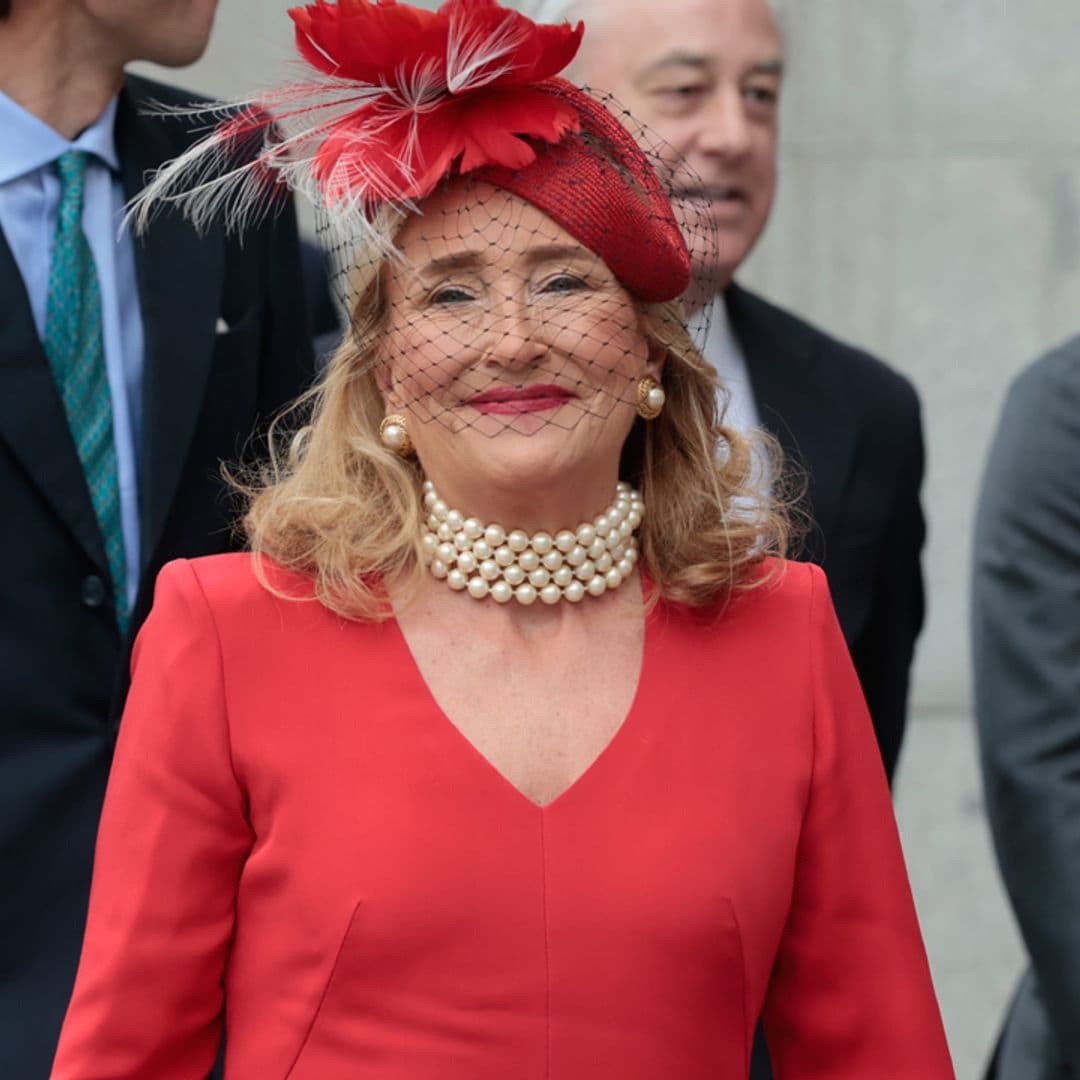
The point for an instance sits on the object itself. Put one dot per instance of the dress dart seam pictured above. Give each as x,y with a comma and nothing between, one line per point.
547,951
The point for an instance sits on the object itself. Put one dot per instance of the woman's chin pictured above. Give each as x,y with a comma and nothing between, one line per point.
516,460
508,457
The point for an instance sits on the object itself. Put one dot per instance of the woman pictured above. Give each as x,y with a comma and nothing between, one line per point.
485,765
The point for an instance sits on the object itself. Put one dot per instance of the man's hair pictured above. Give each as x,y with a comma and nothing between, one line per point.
5,8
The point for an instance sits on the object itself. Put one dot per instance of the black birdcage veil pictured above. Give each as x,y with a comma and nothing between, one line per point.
482,312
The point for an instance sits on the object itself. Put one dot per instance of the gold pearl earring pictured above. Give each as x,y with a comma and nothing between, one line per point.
650,398
394,435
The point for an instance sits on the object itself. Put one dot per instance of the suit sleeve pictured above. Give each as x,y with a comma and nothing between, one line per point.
148,997
1026,651
850,995
884,650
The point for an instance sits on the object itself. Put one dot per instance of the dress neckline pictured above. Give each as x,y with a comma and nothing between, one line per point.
600,762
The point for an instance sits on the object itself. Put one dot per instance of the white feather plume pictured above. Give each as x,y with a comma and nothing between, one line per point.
238,176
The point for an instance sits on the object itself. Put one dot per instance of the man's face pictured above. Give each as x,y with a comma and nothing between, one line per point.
705,76
169,32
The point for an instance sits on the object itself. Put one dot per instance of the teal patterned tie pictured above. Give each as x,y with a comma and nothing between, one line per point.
76,351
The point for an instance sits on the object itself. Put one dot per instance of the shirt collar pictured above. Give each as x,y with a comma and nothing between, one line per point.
710,328
29,143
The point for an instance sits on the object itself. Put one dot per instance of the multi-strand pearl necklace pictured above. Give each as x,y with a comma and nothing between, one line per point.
486,560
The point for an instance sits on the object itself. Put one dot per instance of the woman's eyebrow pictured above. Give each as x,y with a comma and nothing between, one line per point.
459,260
473,260
553,252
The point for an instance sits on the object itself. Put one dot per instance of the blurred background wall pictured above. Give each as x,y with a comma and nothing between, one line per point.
929,210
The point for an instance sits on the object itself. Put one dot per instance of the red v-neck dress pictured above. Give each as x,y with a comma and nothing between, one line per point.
298,842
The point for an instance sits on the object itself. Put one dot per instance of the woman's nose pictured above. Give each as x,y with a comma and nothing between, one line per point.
515,341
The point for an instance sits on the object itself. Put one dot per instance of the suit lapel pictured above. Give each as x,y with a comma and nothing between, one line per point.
32,419
179,277
791,387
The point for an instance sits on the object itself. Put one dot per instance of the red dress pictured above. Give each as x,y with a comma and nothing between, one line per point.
296,840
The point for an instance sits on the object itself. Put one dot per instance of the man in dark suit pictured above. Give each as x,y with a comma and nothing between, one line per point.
129,368
705,75
1026,651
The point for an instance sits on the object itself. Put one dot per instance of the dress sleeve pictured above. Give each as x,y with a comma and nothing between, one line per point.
148,998
850,994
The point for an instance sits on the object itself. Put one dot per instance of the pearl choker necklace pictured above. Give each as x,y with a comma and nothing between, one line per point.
486,560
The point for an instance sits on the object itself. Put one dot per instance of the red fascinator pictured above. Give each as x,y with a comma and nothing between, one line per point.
459,91
396,99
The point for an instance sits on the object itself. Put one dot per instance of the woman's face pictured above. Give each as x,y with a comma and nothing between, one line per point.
511,349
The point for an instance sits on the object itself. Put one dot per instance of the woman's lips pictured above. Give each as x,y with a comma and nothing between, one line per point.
522,399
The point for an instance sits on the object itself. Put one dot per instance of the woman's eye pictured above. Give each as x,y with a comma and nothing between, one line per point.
563,283
450,294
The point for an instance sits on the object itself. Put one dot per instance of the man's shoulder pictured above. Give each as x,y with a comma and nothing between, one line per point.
1055,372
158,122
1042,406
846,364
145,91
172,110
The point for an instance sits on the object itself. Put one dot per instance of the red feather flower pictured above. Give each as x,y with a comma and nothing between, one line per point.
443,88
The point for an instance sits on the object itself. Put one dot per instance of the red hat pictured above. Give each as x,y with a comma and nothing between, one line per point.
599,186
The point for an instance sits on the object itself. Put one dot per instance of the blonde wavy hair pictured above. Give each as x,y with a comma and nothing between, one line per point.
334,504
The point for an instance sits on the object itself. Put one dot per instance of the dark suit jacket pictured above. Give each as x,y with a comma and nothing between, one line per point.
62,661
852,425
1026,651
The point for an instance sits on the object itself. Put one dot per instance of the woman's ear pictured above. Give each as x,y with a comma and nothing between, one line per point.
384,380
654,366
657,350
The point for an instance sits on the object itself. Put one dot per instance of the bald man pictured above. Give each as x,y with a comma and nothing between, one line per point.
706,76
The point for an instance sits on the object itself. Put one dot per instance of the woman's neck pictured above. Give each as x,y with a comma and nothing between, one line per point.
493,563
534,507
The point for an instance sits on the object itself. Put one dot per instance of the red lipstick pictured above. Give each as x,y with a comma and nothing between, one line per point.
512,400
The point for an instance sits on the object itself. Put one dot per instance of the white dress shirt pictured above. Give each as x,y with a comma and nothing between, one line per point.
737,405
724,353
